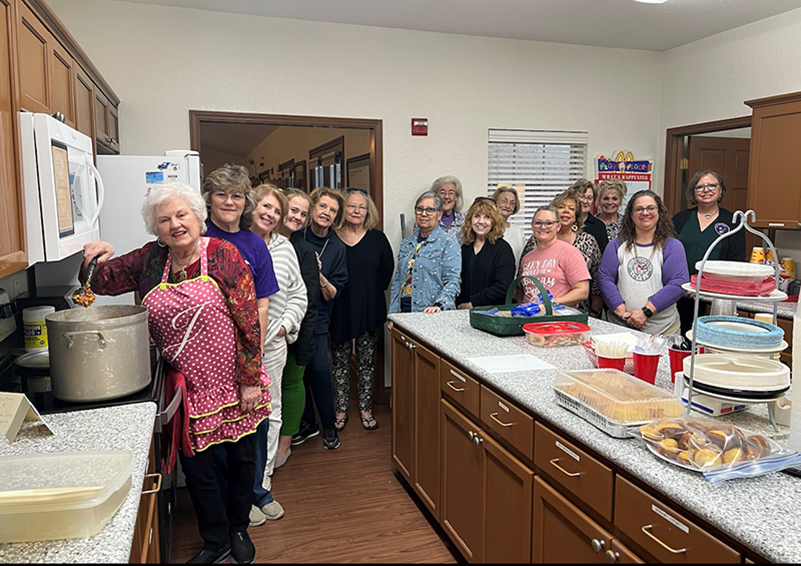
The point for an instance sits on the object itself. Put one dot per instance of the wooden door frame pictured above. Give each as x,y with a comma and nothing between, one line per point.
375,127
672,193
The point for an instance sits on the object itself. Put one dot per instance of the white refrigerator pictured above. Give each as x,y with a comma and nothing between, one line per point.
127,179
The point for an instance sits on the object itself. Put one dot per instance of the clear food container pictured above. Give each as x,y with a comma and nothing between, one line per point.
612,400
554,334
61,495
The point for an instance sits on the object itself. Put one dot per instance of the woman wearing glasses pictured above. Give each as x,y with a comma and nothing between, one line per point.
592,224
488,263
643,268
559,266
698,227
429,263
449,190
361,309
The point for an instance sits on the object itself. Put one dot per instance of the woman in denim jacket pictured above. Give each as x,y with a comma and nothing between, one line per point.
427,276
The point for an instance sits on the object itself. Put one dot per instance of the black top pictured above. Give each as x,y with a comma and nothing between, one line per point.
486,277
595,227
304,346
731,249
362,305
331,252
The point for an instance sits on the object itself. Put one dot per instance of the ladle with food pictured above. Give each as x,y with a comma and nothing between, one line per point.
85,296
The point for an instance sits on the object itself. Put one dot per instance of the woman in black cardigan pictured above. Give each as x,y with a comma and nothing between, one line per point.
698,227
488,263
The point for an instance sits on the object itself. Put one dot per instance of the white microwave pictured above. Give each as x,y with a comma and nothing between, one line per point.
62,206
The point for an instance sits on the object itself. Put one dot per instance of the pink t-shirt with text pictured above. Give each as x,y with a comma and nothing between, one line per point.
558,267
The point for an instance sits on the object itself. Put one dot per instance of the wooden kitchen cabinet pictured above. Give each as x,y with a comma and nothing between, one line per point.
106,124
774,176
145,545
84,103
415,417
486,493
563,534
62,82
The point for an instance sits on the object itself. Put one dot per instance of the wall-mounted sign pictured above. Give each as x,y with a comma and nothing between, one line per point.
635,173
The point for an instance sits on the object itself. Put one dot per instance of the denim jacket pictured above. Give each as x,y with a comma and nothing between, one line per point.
436,275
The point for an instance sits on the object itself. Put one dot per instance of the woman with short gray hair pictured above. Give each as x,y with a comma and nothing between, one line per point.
449,190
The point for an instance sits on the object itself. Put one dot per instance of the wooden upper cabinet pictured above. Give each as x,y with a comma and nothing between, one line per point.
34,59
106,124
84,103
62,82
774,178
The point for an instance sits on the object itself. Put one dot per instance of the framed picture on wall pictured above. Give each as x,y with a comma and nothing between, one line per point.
300,175
359,172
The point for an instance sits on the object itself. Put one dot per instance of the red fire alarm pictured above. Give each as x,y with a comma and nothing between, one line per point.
419,126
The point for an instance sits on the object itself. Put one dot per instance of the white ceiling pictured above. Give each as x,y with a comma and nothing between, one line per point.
602,23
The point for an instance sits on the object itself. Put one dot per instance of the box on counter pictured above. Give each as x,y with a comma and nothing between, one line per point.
710,406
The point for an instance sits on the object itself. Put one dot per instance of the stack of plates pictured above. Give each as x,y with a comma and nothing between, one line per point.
739,377
736,271
735,332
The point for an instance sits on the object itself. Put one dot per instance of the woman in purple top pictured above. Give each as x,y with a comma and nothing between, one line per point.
642,270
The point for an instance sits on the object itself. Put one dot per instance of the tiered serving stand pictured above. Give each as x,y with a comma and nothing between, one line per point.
741,219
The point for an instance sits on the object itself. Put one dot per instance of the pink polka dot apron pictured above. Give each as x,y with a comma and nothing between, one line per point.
191,324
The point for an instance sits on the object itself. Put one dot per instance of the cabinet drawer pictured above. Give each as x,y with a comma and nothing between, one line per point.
584,476
460,387
508,422
666,535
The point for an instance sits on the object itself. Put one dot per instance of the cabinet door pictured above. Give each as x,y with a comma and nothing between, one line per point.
113,128
62,82
84,103
462,483
402,404
34,57
619,554
12,227
101,117
508,506
562,533
426,427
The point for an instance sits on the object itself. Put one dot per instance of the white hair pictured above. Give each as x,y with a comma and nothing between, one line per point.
169,191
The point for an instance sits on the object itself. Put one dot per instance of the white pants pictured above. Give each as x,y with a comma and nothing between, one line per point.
274,362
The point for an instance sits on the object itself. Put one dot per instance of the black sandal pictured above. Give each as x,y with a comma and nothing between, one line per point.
338,422
366,423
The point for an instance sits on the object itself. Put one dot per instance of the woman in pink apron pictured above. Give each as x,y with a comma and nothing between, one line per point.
203,317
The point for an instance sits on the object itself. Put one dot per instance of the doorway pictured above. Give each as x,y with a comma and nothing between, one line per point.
339,152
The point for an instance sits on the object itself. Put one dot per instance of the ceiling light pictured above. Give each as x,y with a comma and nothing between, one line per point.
651,1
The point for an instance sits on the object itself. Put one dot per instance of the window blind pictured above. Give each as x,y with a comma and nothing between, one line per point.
538,164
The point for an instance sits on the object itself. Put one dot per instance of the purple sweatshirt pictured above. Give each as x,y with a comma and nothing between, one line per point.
674,274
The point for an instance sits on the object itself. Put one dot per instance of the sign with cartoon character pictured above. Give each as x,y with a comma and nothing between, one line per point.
634,172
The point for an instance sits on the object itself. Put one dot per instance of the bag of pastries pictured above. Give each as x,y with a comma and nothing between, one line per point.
722,451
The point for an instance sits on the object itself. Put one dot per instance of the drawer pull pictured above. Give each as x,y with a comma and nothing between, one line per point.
494,417
457,389
647,530
611,557
555,464
157,478
597,545
411,346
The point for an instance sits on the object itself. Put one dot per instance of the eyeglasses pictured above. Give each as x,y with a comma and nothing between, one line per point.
643,209
545,223
425,210
586,198
223,196
359,207
709,187
446,193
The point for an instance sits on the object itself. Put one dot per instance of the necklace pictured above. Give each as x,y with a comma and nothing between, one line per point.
711,214
641,263
181,274
325,245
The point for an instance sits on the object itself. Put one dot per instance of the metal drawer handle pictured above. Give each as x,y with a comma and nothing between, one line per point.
564,471
101,341
457,389
647,530
156,489
410,346
494,417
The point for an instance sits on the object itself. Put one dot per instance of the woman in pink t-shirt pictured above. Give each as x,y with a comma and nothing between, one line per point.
559,266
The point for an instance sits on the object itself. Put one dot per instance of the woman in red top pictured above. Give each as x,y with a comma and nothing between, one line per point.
202,315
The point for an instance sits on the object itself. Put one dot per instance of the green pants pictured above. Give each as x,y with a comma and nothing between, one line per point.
293,394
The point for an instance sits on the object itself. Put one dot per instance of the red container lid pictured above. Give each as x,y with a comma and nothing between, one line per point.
566,327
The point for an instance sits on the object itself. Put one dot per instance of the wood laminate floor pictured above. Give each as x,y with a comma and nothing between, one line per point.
345,505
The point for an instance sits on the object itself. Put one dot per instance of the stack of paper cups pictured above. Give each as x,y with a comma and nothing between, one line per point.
795,415
758,255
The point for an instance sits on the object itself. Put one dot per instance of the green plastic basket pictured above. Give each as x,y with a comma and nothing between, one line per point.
513,326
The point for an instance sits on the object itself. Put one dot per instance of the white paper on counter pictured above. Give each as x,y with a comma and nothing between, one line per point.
517,362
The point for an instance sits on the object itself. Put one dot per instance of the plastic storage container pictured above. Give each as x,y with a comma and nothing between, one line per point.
613,400
553,334
61,495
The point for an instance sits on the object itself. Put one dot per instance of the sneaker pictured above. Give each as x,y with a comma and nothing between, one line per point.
281,460
330,438
211,556
272,511
257,518
306,432
242,549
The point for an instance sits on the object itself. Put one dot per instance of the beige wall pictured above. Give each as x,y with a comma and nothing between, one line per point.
164,61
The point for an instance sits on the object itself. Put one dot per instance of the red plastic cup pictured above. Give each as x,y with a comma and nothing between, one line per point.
613,363
645,366
677,360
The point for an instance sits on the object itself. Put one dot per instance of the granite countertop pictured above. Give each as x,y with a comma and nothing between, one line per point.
762,513
124,427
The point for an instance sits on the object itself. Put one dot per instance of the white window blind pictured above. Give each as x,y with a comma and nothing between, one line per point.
538,164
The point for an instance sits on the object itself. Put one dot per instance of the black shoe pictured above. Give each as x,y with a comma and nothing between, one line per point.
242,549
306,432
330,438
211,556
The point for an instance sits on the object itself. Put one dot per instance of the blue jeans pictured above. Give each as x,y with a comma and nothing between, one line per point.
261,496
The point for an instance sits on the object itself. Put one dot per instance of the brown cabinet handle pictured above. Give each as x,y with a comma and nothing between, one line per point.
647,530
156,489
555,464
494,417
457,389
